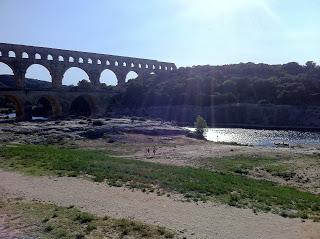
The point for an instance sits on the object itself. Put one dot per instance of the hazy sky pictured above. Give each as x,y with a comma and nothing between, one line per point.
187,32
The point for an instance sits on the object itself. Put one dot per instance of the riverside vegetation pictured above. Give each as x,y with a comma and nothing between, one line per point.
221,185
287,84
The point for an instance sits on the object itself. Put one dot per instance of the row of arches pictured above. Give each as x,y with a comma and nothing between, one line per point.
72,76
81,60
46,107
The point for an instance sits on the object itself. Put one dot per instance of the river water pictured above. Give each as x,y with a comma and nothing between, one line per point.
13,115
262,137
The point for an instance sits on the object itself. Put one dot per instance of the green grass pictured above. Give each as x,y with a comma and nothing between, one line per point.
46,221
243,164
195,184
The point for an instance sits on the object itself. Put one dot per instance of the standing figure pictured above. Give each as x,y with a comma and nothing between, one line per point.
154,150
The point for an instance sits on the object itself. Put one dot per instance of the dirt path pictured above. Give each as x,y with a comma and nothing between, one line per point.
196,221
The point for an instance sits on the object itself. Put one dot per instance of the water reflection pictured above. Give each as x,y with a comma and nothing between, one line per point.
13,116
262,137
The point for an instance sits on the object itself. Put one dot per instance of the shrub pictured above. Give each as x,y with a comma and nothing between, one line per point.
84,217
201,126
97,123
48,228
83,84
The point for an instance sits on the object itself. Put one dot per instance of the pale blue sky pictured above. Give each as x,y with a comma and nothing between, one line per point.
187,32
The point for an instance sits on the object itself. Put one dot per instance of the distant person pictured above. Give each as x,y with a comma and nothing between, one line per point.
148,151
154,150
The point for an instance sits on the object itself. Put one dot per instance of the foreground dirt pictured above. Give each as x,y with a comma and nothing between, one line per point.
190,220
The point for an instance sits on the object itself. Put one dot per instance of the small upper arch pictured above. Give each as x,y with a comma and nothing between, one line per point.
99,62
71,59
25,55
60,58
50,57
89,61
124,64
80,60
37,56
11,54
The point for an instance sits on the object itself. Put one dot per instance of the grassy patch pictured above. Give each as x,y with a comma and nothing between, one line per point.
38,221
195,184
243,164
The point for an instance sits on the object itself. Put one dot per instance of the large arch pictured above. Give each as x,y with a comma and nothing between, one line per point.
40,73
22,108
83,105
7,108
6,76
108,77
48,107
131,75
5,69
74,75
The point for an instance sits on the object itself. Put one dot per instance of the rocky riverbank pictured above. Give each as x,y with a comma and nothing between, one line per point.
49,132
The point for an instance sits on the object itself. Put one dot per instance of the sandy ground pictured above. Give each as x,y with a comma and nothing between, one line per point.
189,219
181,150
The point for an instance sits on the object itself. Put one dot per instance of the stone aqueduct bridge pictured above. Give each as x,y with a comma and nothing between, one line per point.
20,57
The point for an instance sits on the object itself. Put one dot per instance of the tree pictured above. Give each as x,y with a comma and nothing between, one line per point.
292,68
83,84
201,126
311,65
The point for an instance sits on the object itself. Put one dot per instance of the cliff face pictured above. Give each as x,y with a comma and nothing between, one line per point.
248,115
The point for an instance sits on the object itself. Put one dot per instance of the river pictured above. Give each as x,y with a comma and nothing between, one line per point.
262,137
13,116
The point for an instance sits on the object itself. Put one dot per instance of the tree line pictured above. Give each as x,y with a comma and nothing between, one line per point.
287,84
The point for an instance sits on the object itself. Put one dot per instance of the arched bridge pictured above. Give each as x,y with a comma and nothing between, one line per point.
90,102
20,57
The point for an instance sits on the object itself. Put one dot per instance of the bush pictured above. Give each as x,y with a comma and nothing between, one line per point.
84,217
201,126
83,84
48,228
97,123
